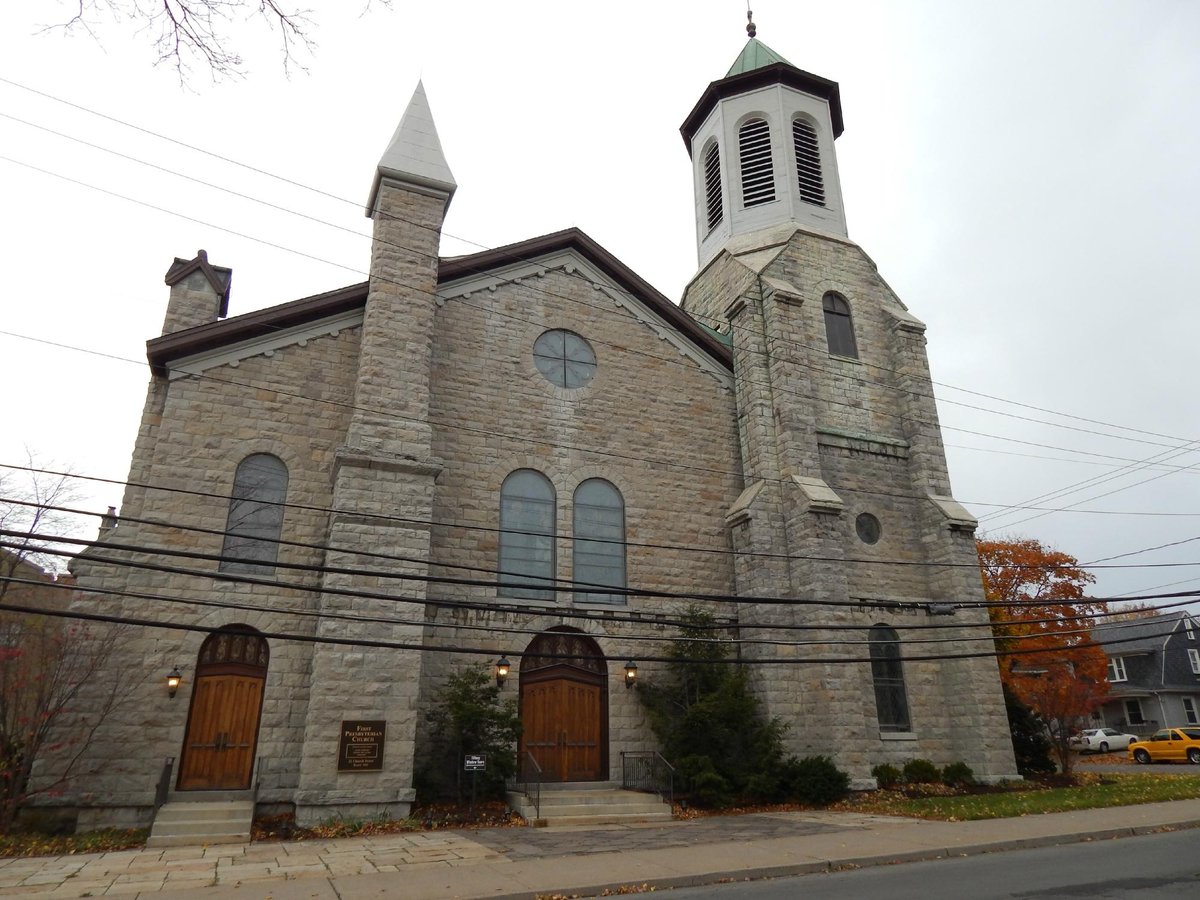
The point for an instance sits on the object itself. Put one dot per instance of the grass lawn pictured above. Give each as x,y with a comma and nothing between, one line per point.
1093,791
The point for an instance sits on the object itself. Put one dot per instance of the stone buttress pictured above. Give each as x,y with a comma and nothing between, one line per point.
383,492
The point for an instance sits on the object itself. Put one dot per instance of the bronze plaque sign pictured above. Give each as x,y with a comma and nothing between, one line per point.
361,746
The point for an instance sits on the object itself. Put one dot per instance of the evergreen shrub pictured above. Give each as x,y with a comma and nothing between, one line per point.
921,771
815,780
887,776
958,774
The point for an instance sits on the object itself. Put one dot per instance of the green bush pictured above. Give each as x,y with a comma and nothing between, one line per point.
705,784
815,780
469,718
957,774
709,723
921,771
887,776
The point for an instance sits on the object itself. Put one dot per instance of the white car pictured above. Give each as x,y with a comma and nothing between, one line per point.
1100,740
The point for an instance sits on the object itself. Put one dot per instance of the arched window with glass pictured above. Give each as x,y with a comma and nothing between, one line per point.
526,559
887,673
839,327
255,521
598,548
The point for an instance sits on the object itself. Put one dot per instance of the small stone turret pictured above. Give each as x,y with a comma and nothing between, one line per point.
199,293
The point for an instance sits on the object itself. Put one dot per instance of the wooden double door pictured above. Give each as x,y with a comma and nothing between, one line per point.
562,728
564,710
222,730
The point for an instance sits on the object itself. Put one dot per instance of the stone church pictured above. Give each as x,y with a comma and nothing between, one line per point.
530,454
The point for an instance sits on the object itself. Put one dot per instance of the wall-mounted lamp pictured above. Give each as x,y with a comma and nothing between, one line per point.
173,680
502,667
630,674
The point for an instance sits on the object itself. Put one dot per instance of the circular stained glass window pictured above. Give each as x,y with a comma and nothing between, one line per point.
868,528
564,358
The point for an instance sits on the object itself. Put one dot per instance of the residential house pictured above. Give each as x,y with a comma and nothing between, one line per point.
1153,670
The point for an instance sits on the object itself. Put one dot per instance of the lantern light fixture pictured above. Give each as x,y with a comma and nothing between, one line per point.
174,678
630,674
502,668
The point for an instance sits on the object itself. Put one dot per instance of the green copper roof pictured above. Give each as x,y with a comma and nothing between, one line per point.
755,55
726,339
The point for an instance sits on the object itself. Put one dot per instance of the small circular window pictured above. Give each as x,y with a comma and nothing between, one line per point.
564,358
868,528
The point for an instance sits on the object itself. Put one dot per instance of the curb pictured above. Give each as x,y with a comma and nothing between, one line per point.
835,865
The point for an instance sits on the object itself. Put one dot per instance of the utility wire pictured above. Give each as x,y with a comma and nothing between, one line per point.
694,315
891,387
496,650
557,536
605,309
734,600
633,637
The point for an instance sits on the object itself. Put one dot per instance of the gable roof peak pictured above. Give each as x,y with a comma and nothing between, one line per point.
219,277
414,154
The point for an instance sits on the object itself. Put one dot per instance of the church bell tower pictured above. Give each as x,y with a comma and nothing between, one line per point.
761,143
846,527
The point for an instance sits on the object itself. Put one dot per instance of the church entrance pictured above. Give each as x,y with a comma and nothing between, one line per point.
222,729
564,706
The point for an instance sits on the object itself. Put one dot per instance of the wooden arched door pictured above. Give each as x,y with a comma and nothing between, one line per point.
564,706
222,729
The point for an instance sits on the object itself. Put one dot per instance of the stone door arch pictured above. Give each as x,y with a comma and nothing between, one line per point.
564,706
222,730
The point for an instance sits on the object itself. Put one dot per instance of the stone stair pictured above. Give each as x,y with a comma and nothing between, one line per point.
210,817
590,803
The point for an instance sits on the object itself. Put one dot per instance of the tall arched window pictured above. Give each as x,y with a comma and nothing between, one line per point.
887,672
255,519
599,540
712,186
758,171
808,163
526,536
839,329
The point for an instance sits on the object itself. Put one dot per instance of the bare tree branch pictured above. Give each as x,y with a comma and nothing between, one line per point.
184,33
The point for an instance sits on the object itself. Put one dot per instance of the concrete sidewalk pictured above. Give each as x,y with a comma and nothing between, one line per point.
528,862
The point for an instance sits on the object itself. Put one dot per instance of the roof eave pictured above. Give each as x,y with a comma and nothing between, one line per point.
574,238
161,351
777,73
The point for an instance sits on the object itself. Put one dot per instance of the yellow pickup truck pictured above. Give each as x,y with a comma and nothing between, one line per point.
1167,745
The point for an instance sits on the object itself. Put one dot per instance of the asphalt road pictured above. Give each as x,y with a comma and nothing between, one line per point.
1148,867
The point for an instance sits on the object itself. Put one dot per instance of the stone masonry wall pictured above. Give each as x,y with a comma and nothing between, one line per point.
866,429
292,403
651,421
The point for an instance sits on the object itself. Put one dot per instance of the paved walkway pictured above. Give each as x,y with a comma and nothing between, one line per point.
541,862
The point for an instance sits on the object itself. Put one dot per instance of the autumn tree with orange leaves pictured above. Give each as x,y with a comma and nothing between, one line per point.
1042,632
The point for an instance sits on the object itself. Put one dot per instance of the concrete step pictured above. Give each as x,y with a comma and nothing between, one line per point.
208,796
591,806
201,822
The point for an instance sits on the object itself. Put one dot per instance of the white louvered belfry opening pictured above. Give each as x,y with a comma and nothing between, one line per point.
758,173
712,186
808,163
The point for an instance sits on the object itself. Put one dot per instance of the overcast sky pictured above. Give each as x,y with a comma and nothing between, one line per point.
1024,174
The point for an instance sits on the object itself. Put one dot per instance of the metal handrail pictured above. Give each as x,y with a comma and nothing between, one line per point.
648,770
256,777
529,782
163,787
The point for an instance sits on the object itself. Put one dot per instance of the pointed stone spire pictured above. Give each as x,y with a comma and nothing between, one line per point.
414,155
